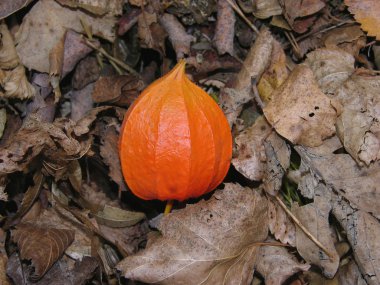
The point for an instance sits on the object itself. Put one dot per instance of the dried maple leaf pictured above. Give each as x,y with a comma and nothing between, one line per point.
366,12
299,111
276,264
209,242
43,246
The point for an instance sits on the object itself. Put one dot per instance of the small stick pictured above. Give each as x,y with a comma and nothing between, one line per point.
305,230
169,206
241,14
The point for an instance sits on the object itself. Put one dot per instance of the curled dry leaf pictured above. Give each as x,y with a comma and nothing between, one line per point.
177,34
43,246
234,97
331,67
366,12
12,74
150,32
358,126
280,225
275,74
225,28
315,219
208,242
114,217
44,26
299,111
276,264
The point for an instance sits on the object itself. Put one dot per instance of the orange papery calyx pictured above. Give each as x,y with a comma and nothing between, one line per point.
175,142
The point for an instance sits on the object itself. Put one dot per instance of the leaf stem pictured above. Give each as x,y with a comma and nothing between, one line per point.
169,206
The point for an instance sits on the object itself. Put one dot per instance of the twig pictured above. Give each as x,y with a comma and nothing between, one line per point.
110,57
241,14
302,227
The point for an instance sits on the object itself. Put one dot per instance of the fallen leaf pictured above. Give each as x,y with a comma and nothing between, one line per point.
98,7
280,225
294,9
225,28
366,12
331,67
86,72
251,158
276,264
233,97
204,242
7,8
299,111
8,55
276,73
114,217
358,126
362,231
120,90
110,154
264,9
349,274
178,37
43,246
315,217
81,102
44,26
3,120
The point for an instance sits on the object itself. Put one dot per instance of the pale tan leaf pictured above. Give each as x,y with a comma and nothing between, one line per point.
8,55
331,67
7,8
280,225
3,120
299,111
208,242
349,274
358,126
15,83
44,26
366,12
233,98
315,218
98,7
42,246
264,9
276,264
118,218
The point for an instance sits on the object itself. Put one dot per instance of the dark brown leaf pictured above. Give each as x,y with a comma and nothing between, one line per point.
43,246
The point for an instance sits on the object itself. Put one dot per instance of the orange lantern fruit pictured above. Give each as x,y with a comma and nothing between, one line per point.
175,142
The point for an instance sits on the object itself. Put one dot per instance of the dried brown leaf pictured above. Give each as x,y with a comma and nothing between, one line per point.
294,9
15,84
276,264
151,33
121,90
280,225
43,246
3,120
358,126
86,72
315,218
299,111
44,26
81,102
207,242
83,125
177,34
225,28
349,274
366,12
233,98
8,55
